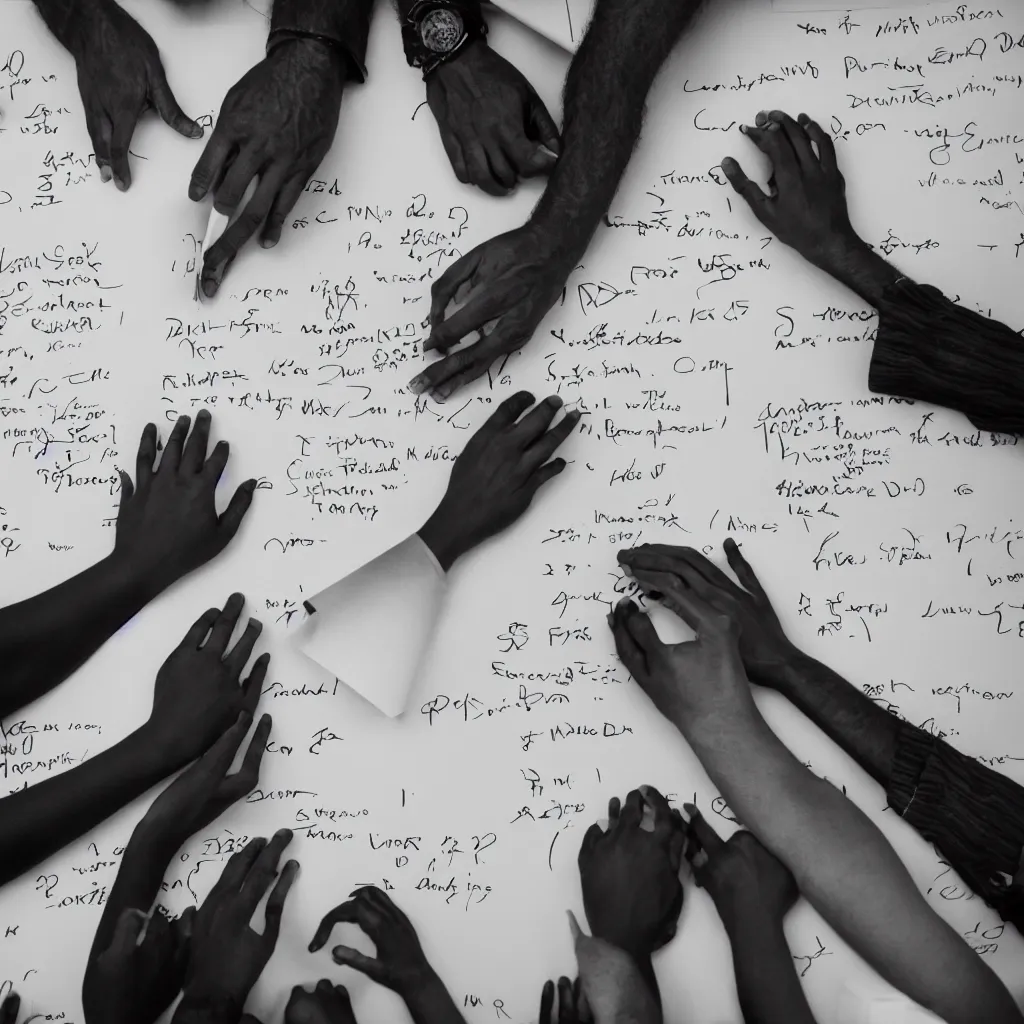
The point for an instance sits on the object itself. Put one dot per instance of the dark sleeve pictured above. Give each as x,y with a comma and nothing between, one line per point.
931,349
344,22
972,814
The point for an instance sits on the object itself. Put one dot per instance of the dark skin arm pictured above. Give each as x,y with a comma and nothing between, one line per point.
864,729
119,76
167,525
510,282
197,694
753,892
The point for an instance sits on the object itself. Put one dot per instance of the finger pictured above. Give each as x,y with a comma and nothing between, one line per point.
478,167
98,125
127,490
664,822
126,933
275,902
264,870
774,143
677,596
120,140
221,755
741,567
527,157
506,414
536,421
196,634
171,457
486,304
380,899
235,660
501,170
641,629
456,157
633,811
566,1003
214,465
245,166
244,780
590,838
253,686
546,472
146,456
614,810
547,1003
231,518
194,454
348,957
710,841
210,167
167,107
822,142
756,199
235,872
443,378
696,572
283,204
798,140
545,446
224,250
345,913
630,653
343,1003
182,929
541,125
443,290
220,632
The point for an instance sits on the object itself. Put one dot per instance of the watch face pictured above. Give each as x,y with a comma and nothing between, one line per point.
441,30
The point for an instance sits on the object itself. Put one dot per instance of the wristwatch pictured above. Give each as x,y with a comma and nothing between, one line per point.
435,30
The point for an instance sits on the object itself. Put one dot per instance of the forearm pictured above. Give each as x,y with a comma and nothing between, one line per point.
766,980
844,867
864,729
62,17
431,1003
44,639
855,264
605,92
38,821
345,24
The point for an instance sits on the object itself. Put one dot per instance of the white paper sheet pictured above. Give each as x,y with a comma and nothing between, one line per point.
724,383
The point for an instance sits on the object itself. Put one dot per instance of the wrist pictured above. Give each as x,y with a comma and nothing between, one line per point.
437,536
318,53
422,992
749,919
139,581
202,1005
851,261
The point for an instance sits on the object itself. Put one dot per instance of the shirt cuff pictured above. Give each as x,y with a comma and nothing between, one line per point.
346,23
932,350
373,629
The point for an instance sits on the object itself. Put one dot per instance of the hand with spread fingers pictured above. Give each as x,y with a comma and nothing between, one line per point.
744,879
495,478
199,691
133,981
276,124
168,524
227,955
495,128
119,76
400,963
764,647
507,284
806,204
565,1009
326,1004
630,875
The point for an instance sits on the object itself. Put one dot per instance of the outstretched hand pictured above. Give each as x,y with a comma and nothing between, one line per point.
167,524
199,692
764,647
494,126
119,76
630,876
495,478
508,284
133,981
745,880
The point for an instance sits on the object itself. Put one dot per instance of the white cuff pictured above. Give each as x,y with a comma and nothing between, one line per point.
373,628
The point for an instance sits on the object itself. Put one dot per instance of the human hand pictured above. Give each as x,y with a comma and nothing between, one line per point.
167,524
400,965
9,1009
764,647
806,204
494,126
630,876
744,879
497,474
326,1004
566,1010
205,790
227,955
276,123
687,680
134,982
508,284
197,693
119,76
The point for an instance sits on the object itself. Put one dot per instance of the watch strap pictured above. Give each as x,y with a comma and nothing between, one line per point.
417,53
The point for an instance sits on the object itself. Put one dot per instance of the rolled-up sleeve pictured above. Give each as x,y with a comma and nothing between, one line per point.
344,22
972,814
373,628
933,350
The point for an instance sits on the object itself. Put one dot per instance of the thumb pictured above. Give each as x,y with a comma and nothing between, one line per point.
574,928
544,127
373,969
167,107
127,489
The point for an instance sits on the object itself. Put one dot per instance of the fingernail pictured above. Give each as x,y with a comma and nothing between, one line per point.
254,624
283,833
743,128
268,243
417,385
105,173
623,602
183,421
610,618
439,396
209,287
554,401
251,484
121,186
197,131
